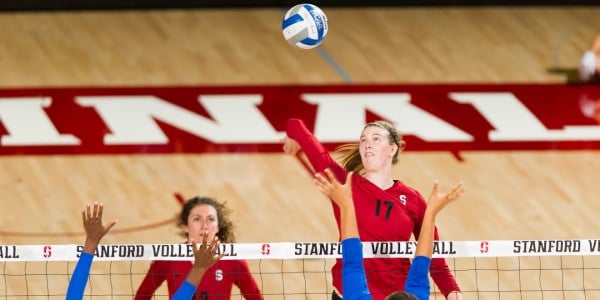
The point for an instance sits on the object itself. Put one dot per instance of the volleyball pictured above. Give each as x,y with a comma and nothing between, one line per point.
304,26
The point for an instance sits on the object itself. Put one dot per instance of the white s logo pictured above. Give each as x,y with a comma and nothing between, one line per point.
403,199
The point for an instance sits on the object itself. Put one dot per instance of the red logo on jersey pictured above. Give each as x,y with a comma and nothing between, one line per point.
47,251
266,249
484,247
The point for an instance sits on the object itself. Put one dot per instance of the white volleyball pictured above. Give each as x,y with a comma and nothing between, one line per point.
304,26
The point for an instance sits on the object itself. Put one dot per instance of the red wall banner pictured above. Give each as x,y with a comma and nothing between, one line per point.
252,118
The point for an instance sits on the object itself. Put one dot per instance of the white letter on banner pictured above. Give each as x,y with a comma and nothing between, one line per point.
28,124
132,119
341,117
514,122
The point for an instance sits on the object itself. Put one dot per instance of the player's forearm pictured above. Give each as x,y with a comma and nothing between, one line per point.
426,236
90,245
80,277
195,276
348,221
185,291
314,151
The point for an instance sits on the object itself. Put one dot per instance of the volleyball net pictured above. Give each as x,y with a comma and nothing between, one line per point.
499,269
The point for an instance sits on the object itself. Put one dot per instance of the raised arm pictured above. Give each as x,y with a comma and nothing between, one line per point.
354,279
439,270
303,144
437,202
94,231
417,282
205,256
340,194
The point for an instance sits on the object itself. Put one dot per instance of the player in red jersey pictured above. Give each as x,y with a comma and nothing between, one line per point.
198,217
386,209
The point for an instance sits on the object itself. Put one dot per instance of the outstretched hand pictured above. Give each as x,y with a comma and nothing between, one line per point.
290,146
205,255
437,200
92,223
328,184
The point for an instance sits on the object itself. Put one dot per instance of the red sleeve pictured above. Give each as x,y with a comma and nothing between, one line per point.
319,157
440,273
246,283
154,278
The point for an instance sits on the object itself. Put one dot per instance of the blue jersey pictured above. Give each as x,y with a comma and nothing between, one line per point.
185,291
82,271
417,282
80,277
354,280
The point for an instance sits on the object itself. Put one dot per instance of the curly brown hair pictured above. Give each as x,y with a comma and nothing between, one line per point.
226,232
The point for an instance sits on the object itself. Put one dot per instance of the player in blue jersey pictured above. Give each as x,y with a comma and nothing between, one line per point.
354,280
95,230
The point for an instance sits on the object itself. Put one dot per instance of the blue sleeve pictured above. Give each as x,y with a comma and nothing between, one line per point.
185,291
80,276
417,282
354,279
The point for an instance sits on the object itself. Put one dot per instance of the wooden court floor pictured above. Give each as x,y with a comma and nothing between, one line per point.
511,195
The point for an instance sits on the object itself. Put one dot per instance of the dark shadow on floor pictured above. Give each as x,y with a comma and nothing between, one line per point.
572,75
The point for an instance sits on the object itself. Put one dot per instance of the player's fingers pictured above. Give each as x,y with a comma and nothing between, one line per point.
100,210
458,190
217,246
194,245
320,180
95,210
320,177
111,224
88,211
214,244
348,178
320,185
331,176
434,191
205,239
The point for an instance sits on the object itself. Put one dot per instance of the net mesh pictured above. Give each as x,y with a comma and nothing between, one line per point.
540,269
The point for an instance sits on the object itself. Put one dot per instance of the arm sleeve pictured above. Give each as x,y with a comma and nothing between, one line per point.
80,276
154,278
417,282
319,157
246,283
185,291
440,273
354,279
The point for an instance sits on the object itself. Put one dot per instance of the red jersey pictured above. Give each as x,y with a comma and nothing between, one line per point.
216,283
382,215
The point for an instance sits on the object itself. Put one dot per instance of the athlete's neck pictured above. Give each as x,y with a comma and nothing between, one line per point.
381,179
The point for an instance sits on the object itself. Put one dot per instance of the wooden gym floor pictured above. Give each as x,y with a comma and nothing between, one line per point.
511,195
